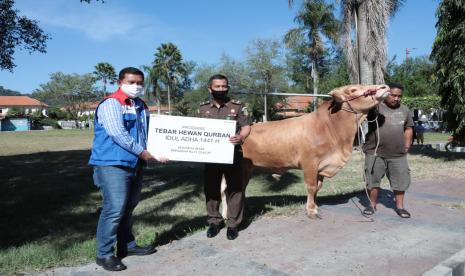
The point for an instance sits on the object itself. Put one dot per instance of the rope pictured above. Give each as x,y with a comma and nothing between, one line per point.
367,93
364,183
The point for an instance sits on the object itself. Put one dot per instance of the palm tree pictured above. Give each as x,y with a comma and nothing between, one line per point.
105,72
168,68
369,19
315,19
151,85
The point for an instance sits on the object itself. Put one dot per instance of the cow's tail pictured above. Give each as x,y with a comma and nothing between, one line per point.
224,205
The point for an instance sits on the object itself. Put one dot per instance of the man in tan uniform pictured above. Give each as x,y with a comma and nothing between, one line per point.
221,107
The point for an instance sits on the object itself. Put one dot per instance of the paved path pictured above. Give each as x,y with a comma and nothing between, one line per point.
342,243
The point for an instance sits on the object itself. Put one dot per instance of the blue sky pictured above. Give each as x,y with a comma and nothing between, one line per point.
127,32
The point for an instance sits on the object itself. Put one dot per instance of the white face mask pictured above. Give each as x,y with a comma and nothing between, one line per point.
133,90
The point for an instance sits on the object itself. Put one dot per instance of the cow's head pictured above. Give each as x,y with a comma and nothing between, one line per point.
360,98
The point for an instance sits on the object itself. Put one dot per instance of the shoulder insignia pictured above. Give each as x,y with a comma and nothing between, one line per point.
236,102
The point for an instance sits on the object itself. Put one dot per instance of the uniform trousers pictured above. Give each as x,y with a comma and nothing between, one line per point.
235,192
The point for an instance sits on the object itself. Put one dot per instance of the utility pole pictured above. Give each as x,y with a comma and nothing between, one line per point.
408,51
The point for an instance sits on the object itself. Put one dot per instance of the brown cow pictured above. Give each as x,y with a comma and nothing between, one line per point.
319,143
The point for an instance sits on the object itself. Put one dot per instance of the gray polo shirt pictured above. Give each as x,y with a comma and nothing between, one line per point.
392,124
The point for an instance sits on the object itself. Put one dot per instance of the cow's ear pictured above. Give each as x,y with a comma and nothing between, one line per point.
337,94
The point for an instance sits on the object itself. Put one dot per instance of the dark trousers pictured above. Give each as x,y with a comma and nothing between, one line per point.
235,194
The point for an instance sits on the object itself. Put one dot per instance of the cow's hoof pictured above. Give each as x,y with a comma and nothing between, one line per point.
313,215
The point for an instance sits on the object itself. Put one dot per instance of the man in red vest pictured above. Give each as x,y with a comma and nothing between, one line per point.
119,152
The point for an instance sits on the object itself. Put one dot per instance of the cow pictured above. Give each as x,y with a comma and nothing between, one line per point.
319,143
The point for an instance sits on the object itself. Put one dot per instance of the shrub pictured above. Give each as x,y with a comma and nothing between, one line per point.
50,122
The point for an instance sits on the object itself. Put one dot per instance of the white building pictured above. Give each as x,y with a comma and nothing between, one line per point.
29,105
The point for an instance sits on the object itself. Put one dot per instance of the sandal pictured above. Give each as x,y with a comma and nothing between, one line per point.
402,213
369,211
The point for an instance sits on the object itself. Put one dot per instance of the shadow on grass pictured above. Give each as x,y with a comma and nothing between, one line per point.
38,192
50,196
275,185
427,150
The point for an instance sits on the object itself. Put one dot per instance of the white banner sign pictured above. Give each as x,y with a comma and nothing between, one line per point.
191,139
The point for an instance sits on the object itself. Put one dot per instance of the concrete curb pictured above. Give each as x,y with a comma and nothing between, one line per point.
454,266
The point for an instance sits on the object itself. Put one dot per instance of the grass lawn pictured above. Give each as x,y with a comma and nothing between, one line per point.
49,205
435,137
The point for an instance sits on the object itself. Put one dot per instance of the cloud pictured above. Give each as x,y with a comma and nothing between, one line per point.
100,22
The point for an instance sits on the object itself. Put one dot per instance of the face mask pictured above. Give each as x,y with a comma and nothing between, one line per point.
220,95
132,90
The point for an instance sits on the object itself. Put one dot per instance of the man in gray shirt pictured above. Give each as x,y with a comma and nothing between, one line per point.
386,145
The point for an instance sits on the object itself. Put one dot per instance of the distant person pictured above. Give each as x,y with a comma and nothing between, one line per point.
222,107
119,153
414,133
386,154
420,129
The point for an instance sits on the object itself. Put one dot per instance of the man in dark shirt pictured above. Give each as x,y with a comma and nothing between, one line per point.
386,145
221,107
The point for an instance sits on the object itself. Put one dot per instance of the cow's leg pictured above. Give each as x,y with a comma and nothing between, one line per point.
311,183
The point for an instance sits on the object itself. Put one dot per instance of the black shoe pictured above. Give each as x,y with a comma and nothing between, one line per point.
369,211
141,250
232,233
135,251
111,263
213,230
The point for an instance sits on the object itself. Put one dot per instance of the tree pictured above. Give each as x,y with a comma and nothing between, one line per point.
201,75
105,72
73,92
449,55
18,32
265,64
152,82
16,112
150,85
416,75
238,73
8,92
336,73
169,70
183,108
315,19
368,19
265,68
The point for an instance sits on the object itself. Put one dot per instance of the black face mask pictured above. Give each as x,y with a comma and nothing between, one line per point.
220,95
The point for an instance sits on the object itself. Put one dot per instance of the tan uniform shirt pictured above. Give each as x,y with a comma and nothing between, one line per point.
231,110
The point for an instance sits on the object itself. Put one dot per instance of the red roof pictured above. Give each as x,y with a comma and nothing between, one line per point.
163,108
295,103
91,105
20,101
293,106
